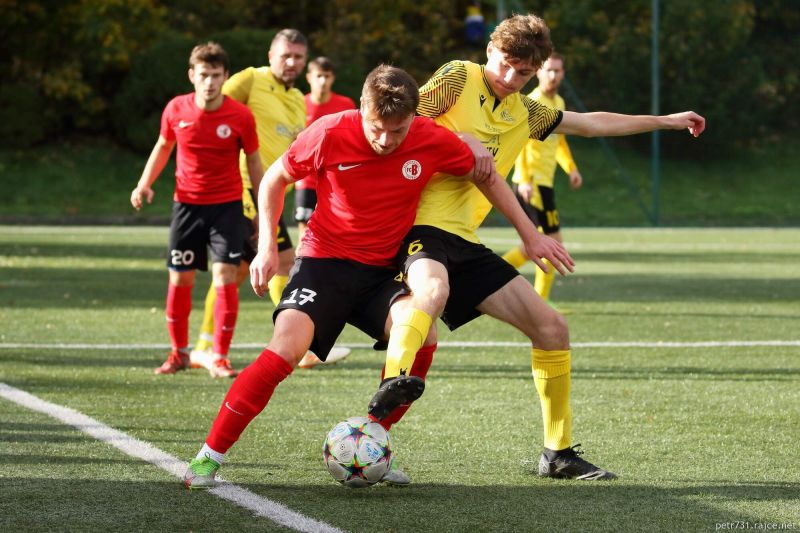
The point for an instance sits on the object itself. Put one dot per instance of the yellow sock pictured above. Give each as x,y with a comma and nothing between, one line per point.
551,374
405,338
276,286
515,257
206,339
542,283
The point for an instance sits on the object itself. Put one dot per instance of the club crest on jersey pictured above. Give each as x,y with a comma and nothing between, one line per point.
507,116
412,169
223,131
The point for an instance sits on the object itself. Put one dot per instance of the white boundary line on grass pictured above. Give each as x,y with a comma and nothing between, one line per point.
461,344
260,506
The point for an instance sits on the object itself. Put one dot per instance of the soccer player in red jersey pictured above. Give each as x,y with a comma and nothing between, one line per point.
209,129
374,163
371,167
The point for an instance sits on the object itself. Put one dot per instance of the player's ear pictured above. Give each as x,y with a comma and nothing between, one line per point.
191,75
489,49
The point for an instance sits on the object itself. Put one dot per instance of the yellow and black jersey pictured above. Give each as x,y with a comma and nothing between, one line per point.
536,163
280,113
459,97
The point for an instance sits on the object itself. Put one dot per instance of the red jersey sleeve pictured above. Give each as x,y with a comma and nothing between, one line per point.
456,158
249,136
305,155
166,122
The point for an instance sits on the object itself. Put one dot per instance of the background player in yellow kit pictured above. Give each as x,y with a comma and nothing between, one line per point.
280,114
534,173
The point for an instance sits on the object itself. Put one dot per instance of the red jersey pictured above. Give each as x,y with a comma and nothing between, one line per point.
208,148
337,103
366,202
313,112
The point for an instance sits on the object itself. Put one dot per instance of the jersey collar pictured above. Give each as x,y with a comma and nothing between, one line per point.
486,82
275,81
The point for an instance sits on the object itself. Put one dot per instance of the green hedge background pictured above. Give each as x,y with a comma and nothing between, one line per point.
106,68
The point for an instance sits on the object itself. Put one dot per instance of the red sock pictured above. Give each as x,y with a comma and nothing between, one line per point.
179,305
226,307
248,396
422,363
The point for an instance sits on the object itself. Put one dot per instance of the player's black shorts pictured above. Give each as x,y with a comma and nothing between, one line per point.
250,243
284,240
546,218
474,270
337,291
305,201
195,228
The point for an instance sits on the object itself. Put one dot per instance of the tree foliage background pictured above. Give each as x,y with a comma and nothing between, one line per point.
107,67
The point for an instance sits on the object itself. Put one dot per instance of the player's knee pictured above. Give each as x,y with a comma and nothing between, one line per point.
435,292
552,332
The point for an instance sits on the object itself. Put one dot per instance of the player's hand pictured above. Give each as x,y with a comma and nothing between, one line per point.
138,193
263,267
689,120
524,190
575,180
484,168
544,247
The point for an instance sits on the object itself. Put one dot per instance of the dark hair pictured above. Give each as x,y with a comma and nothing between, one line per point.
211,53
291,35
557,56
524,37
321,63
390,92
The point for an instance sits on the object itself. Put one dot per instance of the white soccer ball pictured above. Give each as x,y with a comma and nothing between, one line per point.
357,452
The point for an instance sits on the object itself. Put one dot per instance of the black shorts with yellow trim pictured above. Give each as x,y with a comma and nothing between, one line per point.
335,292
250,243
475,272
545,218
283,238
196,228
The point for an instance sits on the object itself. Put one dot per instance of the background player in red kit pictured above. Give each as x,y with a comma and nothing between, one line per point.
374,162
320,101
209,130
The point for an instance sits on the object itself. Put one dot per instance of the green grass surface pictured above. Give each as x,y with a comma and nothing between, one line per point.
699,435
92,180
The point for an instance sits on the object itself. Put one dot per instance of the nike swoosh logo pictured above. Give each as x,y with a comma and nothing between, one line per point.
231,409
183,124
233,255
348,167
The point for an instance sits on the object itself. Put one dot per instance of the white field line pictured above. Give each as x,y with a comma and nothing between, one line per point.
278,513
460,344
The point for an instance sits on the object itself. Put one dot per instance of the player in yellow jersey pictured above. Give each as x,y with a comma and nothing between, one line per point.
452,275
280,114
534,173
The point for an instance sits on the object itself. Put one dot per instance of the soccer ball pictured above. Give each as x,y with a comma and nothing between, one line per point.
357,452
